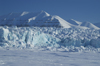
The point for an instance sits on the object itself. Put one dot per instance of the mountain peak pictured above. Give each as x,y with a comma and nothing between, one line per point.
45,13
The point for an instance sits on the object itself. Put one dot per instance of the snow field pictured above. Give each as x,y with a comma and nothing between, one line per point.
47,58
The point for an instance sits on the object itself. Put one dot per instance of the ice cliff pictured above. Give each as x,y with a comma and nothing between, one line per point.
30,37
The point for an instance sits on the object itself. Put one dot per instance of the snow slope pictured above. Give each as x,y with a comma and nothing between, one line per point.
74,22
89,25
84,25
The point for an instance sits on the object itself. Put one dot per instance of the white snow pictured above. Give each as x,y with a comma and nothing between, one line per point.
74,22
24,13
89,25
33,18
63,23
48,58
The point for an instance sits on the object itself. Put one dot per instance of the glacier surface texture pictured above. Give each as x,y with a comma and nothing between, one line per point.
69,39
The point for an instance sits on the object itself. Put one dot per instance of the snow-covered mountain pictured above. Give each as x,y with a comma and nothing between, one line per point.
74,22
82,24
89,25
41,19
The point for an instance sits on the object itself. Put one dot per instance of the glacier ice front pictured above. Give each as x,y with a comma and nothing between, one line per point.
25,37
30,37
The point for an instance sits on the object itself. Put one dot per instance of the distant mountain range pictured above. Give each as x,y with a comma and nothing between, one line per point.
42,19
85,24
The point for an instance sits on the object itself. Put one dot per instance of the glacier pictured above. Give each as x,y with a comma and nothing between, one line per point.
67,39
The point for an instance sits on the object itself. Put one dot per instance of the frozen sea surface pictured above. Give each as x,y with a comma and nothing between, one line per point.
26,57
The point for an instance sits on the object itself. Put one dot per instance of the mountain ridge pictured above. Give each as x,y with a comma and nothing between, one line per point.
41,19
90,25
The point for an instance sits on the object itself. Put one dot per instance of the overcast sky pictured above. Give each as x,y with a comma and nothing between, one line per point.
80,10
